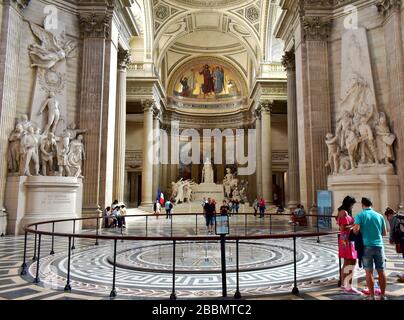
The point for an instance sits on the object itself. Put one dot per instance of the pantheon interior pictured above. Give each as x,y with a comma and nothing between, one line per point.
298,103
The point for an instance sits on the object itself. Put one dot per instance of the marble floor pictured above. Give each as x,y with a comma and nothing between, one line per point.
144,267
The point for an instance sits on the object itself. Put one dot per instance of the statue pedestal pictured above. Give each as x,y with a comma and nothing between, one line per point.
382,189
208,190
34,199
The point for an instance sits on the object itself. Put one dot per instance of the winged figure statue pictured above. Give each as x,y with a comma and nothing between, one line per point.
51,50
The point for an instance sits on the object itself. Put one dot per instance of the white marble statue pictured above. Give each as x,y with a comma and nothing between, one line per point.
14,149
187,185
367,143
76,156
52,49
207,172
53,112
384,140
73,131
29,145
229,183
352,143
333,152
62,155
24,122
48,153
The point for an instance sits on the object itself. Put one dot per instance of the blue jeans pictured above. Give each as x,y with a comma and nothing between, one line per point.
374,255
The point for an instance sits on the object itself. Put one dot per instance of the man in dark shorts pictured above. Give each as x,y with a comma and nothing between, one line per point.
210,211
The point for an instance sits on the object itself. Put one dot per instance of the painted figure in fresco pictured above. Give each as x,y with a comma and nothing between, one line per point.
208,85
218,77
185,87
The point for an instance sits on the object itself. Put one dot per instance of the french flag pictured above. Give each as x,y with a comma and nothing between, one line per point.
160,197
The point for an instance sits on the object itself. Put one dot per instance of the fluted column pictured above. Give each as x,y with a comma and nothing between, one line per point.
11,23
259,152
312,104
147,168
391,11
97,93
293,148
120,127
156,153
266,146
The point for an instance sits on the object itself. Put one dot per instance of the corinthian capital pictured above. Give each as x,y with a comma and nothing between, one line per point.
266,106
316,28
95,25
148,105
386,7
288,60
123,59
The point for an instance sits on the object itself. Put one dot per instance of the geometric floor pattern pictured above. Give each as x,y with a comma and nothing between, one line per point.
91,272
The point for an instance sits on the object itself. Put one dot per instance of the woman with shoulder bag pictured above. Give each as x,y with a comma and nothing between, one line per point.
346,247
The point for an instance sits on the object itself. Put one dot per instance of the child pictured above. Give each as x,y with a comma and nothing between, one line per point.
122,212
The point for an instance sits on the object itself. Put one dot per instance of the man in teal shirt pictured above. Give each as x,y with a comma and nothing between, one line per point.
372,226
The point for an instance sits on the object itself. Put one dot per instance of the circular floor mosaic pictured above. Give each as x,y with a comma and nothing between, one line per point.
204,257
91,271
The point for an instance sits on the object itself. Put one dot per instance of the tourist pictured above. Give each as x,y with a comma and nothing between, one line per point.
236,205
115,215
298,216
168,206
157,208
231,206
280,209
255,206
107,214
204,201
114,204
122,213
262,207
210,211
396,222
224,209
346,247
372,226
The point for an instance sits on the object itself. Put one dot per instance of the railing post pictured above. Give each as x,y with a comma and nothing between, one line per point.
237,295
74,232
34,257
173,296
245,223
113,291
36,280
196,223
67,286
318,230
171,219
52,252
24,264
146,225
339,266
270,223
97,231
295,290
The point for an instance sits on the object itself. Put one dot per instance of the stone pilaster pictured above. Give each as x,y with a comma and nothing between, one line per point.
391,10
147,167
266,146
258,137
156,153
120,127
95,109
293,149
313,104
11,23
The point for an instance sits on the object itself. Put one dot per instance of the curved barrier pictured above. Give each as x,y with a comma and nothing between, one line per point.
34,229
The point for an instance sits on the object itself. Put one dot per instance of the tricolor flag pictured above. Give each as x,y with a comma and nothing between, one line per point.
161,198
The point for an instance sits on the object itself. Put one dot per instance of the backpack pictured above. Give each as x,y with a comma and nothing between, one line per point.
398,228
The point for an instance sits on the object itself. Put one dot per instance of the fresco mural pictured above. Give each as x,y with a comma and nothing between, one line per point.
208,81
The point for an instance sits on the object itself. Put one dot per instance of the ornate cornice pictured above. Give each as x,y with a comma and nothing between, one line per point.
123,59
386,7
288,61
95,25
316,28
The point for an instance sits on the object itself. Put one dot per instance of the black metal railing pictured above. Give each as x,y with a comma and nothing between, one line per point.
35,229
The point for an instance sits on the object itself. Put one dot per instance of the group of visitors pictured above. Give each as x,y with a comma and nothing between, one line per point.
259,205
168,206
361,240
234,206
114,216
